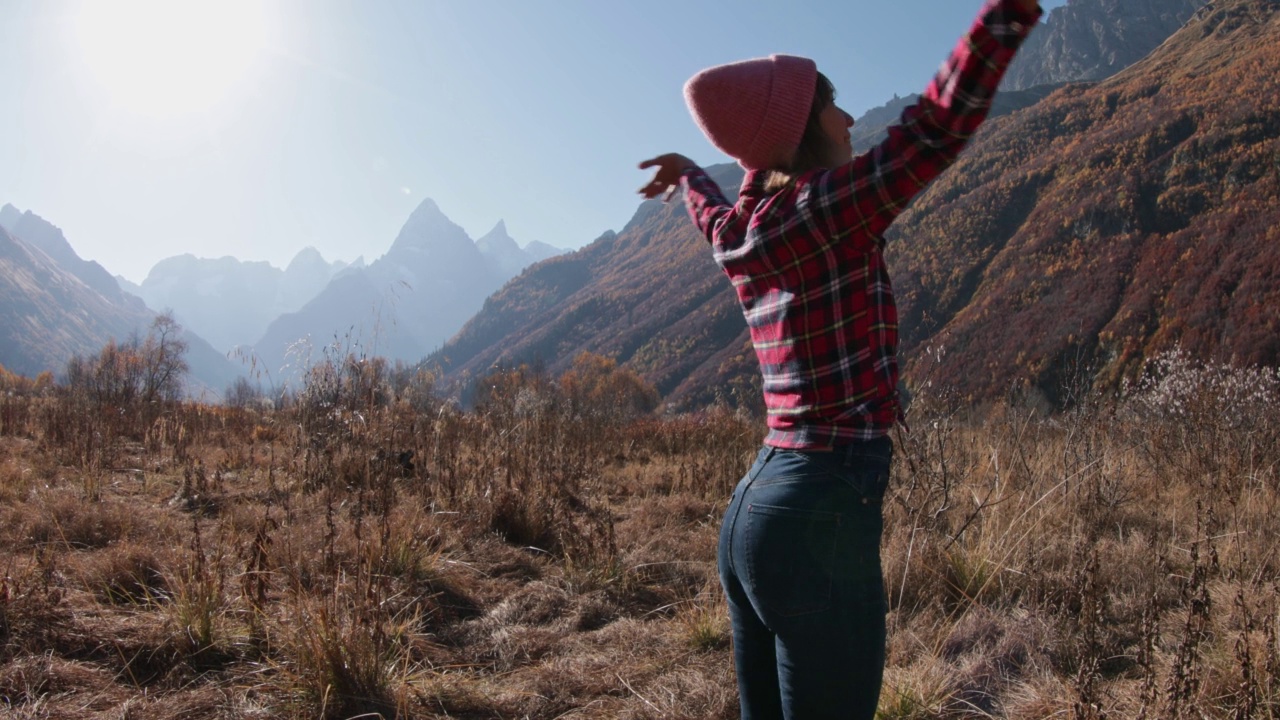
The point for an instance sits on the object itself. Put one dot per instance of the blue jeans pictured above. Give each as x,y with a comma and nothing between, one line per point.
799,559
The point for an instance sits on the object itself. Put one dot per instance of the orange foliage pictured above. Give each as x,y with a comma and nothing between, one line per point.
596,386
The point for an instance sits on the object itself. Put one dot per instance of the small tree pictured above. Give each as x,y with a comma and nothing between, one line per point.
242,394
149,370
16,384
414,385
597,387
112,377
506,393
164,363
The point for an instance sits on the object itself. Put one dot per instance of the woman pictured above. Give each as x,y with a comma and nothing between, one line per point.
799,554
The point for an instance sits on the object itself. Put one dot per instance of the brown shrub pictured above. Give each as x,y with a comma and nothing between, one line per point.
126,573
61,517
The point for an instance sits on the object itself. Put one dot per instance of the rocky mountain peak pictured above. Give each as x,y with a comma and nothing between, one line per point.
1091,40
170,266
9,216
497,240
428,229
49,239
499,229
39,232
427,212
306,259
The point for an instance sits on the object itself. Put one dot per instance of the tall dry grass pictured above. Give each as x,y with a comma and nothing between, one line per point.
360,549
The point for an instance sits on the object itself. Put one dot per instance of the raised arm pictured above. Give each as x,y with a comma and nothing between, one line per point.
860,199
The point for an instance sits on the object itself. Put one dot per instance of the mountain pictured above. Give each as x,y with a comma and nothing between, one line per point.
49,239
231,302
503,254
1092,40
649,296
1103,224
506,257
1109,222
9,216
304,277
48,313
129,287
539,251
873,127
1082,41
404,304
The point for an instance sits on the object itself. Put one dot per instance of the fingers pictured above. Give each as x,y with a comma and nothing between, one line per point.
656,188
664,182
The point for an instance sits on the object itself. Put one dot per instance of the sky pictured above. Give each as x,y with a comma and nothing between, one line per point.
146,129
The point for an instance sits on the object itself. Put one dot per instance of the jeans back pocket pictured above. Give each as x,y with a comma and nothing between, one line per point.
790,555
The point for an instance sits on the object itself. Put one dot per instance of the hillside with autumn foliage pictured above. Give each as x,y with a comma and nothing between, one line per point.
1087,232
1108,223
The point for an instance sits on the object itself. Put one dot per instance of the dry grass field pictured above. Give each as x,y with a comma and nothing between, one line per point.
366,551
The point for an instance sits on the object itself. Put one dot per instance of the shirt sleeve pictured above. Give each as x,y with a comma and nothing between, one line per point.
860,199
707,204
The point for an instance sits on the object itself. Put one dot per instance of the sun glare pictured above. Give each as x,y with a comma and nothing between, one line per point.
165,58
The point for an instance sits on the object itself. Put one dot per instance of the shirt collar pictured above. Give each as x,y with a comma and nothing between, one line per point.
753,184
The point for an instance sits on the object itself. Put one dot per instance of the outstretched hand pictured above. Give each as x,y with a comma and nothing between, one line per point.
670,166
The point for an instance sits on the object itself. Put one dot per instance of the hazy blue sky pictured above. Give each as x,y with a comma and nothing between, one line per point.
150,128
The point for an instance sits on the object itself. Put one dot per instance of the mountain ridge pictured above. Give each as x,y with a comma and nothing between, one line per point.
958,280
48,314
49,238
1091,40
407,302
231,301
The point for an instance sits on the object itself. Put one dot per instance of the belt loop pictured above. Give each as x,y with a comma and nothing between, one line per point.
847,460
856,452
762,459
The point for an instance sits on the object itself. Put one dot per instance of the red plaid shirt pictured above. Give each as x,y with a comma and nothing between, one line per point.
807,262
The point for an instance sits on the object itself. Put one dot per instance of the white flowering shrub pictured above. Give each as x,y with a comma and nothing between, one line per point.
1177,387
1218,420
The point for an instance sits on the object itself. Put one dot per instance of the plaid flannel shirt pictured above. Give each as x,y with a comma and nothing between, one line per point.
807,262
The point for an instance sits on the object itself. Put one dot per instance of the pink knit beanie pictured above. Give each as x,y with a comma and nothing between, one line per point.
754,110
